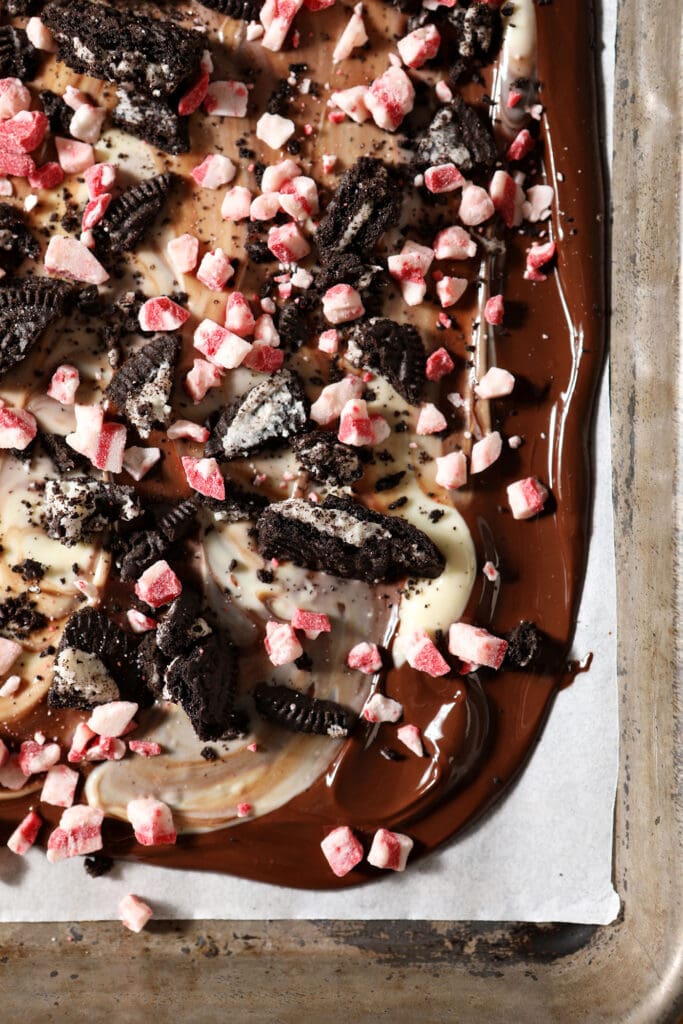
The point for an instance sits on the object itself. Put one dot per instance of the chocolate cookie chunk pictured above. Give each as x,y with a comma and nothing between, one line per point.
298,712
292,327
524,644
367,202
18,57
476,37
140,550
244,10
394,350
237,505
121,45
266,415
16,241
64,458
327,459
58,112
151,664
27,307
21,8
152,120
95,663
177,522
141,389
182,625
457,135
30,569
131,214
19,617
348,540
76,508
204,683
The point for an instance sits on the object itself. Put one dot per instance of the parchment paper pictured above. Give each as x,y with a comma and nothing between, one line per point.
543,854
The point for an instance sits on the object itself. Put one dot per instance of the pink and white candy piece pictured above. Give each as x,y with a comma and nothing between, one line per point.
64,384
494,310
379,708
342,850
352,102
390,850
140,623
238,316
411,737
226,99
134,912
158,585
476,646
423,655
454,243
220,346
186,430
419,46
152,822
277,16
333,397
443,178
281,643
145,748
341,304
59,788
274,130
162,314
526,497
451,470
183,252
18,427
25,834
496,383
8,689
299,197
390,97
450,290
277,175
205,477
14,97
485,452
100,179
312,623
287,243
86,123
79,832
236,205
94,212
74,157
38,757
476,206
106,748
439,364
409,268
265,207
40,36
138,461
430,420
507,197
215,270
365,657
82,738
355,424
112,718
214,171
70,258
201,378
537,258
353,35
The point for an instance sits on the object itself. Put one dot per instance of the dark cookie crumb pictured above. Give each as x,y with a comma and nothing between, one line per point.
19,617
131,214
208,753
524,644
395,350
298,712
367,202
30,569
97,865
27,307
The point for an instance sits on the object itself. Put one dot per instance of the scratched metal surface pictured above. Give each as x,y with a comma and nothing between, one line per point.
630,972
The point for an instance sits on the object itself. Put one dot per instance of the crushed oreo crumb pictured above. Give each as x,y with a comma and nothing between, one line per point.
298,712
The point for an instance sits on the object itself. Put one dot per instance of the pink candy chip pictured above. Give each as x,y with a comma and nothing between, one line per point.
183,252
409,268
451,470
220,346
64,384
82,737
333,397
226,99
14,97
205,477
79,832
277,16
521,145
162,314
537,257
430,420
342,850
287,243
352,102
38,757
454,243
134,912
137,461
70,258
312,623
439,364
214,170
18,427
494,310
486,452
215,270
25,834
86,123
355,425
507,197
419,46
186,430
158,585
152,822
390,850
140,623
476,206
341,304
94,211
236,204
422,654
100,179
389,98
299,197
112,718
201,378
354,35
365,657
238,316
277,175
379,708
451,289
527,497
443,178
410,737
59,788
496,383
145,748
281,643
475,646
74,156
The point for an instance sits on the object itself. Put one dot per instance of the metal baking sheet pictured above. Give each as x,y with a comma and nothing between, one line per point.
627,972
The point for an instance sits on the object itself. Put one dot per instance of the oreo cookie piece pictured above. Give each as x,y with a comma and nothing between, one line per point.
76,508
298,712
204,683
141,389
140,550
151,664
476,37
182,626
58,113
524,644
95,663
130,215
293,327
367,202
121,45
21,8
19,617
27,307
327,459
153,120
394,350
64,458
177,522
18,56
30,569
16,241
348,540
266,415
244,10
457,135
237,505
